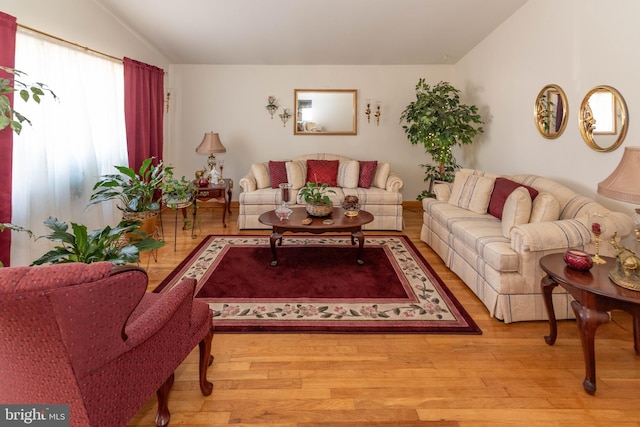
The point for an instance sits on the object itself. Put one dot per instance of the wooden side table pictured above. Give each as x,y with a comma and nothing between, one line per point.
218,193
595,294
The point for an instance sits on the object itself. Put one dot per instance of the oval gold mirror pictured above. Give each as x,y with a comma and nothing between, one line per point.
550,111
603,118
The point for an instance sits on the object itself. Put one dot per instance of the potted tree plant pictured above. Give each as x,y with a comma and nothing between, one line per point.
438,121
135,192
318,202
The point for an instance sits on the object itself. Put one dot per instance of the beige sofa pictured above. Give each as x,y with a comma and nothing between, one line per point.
498,259
383,198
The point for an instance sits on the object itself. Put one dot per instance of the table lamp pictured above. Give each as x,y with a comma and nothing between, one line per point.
210,145
624,184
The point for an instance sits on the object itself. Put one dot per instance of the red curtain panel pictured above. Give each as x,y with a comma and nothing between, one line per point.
143,110
8,27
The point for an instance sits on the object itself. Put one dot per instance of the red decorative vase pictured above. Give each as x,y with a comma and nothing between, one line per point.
578,260
203,182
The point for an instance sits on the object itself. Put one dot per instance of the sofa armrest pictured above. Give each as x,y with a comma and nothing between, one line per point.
550,236
442,190
248,183
394,183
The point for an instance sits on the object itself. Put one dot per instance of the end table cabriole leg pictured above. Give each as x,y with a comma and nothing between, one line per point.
548,285
588,322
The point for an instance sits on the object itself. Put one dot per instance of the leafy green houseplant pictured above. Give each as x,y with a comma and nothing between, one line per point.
134,191
34,91
119,245
438,121
317,199
176,191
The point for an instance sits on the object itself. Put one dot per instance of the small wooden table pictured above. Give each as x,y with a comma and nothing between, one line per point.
219,193
341,223
595,294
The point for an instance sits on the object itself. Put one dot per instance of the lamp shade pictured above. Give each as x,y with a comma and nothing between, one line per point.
624,183
211,144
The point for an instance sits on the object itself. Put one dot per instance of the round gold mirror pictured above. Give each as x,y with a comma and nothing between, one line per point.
550,111
603,118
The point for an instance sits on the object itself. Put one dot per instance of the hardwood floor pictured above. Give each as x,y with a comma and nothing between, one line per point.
506,376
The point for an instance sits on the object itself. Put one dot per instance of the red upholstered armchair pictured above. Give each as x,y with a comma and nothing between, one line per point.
89,335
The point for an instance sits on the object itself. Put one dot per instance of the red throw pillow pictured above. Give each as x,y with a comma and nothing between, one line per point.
323,171
278,173
501,190
367,173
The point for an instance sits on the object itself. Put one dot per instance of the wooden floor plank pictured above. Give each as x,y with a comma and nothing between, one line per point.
506,376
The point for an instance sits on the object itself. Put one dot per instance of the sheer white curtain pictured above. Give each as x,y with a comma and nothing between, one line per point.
72,141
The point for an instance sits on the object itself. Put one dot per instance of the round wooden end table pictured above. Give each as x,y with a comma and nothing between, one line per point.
595,295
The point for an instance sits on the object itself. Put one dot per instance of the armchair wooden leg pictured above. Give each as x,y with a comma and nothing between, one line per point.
163,415
205,361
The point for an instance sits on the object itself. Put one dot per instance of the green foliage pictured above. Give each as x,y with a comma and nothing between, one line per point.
135,192
313,192
176,189
119,245
26,91
438,121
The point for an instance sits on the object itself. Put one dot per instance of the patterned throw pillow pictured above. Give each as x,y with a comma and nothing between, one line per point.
517,210
278,172
348,174
261,173
323,171
471,192
501,190
367,173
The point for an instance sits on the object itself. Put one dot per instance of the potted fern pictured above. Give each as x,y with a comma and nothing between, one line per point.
438,121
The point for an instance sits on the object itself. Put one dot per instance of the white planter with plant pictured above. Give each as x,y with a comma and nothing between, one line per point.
438,121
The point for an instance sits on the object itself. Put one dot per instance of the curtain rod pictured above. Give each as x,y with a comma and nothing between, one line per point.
71,43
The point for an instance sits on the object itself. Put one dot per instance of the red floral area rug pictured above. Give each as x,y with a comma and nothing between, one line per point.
318,286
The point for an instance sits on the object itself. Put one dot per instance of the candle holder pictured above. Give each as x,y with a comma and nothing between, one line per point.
597,222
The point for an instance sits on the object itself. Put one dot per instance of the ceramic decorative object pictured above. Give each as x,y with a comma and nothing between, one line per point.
578,260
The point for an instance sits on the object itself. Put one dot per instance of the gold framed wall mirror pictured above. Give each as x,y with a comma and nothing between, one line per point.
550,111
602,118
325,111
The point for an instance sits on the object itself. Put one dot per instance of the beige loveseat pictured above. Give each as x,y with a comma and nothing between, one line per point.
498,259
383,198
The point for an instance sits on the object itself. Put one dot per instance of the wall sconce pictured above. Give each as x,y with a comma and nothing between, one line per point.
367,112
377,114
271,106
285,116
167,100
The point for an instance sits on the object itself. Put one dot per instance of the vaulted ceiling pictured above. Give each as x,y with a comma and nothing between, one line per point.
307,32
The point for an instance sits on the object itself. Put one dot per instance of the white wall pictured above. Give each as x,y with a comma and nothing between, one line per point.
576,44
86,23
231,100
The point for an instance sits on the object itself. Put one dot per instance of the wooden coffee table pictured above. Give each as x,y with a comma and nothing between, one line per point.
595,294
341,223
